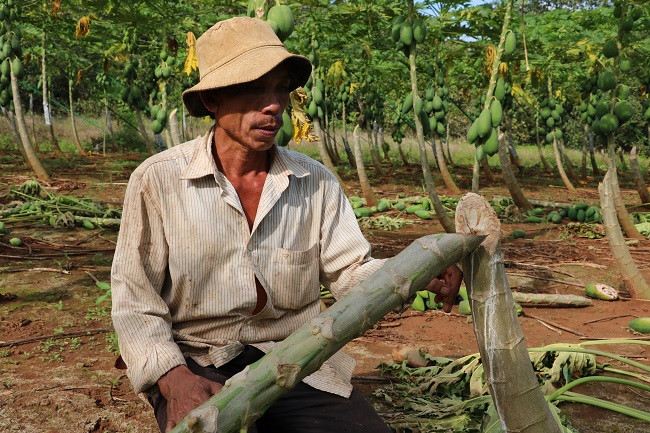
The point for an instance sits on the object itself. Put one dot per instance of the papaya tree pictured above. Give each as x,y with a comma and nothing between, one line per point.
12,69
484,131
408,31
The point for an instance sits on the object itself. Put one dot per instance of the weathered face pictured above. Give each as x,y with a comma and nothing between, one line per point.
251,114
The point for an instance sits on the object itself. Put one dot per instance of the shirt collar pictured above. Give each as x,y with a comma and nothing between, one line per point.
202,163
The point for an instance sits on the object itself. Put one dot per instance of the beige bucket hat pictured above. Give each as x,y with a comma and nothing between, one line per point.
237,51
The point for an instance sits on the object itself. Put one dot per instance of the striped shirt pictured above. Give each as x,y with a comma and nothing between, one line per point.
183,276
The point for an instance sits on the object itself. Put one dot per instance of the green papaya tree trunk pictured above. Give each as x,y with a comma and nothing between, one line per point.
246,396
32,157
620,251
476,172
109,125
442,165
14,129
405,160
592,151
560,167
570,169
73,124
372,147
366,189
58,152
143,132
449,158
168,137
514,156
489,176
440,210
32,130
547,168
346,143
324,154
641,186
509,374
623,216
174,127
515,190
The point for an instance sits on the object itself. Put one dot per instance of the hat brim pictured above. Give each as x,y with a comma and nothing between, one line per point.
245,68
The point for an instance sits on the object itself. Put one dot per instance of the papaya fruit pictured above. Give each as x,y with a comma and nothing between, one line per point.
558,133
538,211
312,109
437,102
426,204
399,206
464,307
406,34
623,91
627,23
500,90
636,13
472,134
610,49
491,144
510,43
608,124
533,219
484,123
16,242
3,229
583,206
418,303
363,212
440,129
88,224
581,215
423,214
157,127
641,325
418,106
602,108
356,204
317,95
407,104
287,125
545,113
480,153
623,111
383,205
462,292
517,234
419,30
283,17
433,123
606,80
17,67
411,209
496,112
161,115
4,68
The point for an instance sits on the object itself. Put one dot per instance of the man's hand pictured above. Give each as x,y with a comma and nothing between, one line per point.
184,391
446,287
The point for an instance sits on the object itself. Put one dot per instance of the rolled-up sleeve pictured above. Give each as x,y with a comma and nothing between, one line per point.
140,316
345,258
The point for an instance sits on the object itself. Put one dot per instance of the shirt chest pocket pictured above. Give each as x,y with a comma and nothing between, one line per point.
294,283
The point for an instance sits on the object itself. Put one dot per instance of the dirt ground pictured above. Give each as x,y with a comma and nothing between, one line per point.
68,383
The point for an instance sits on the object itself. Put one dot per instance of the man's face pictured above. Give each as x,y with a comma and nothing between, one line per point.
251,113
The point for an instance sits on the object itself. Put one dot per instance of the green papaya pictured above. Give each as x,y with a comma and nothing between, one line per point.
418,303
383,205
437,102
317,95
16,242
500,89
363,212
312,109
283,16
89,225
423,214
440,129
496,112
573,213
407,104
7,51
411,209
558,133
538,211
426,204
606,80
581,215
399,206
356,204
417,107
419,31
406,34
3,229
627,23
480,153
533,219
433,123
15,42
610,49
17,67
608,124
491,144
464,307
161,116
641,325
517,234
157,126
395,32
4,68
472,134
484,123
583,206
510,43
623,111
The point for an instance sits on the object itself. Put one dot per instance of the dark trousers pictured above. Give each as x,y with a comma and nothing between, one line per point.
302,410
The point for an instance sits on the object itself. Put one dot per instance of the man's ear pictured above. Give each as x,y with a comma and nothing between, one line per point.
209,99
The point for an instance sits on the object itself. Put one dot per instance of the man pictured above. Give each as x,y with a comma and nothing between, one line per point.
224,241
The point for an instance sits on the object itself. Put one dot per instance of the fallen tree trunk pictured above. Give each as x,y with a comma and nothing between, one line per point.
551,300
509,374
245,397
